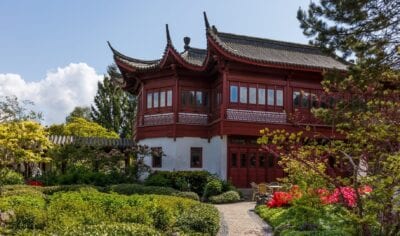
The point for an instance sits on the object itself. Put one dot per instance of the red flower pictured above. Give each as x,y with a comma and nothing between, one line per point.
34,183
365,189
280,199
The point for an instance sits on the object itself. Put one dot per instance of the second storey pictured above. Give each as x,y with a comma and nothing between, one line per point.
237,86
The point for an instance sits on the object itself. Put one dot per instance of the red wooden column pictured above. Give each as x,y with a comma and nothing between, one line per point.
288,94
225,95
175,99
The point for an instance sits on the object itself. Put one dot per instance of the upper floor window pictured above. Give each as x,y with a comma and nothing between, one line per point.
194,98
243,94
257,95
275,97
253,95
159,98
309,98
234,93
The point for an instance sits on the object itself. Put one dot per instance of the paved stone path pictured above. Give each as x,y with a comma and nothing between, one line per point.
240,219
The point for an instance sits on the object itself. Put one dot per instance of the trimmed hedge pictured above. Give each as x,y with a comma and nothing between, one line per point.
129,189
227,197
194,181
190,195
111,229
202,218
11,177
94,212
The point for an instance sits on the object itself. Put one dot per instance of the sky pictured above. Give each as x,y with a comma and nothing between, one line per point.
55,52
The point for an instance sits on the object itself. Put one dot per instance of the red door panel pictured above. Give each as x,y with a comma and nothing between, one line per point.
261,168
242,170
233,164
252,163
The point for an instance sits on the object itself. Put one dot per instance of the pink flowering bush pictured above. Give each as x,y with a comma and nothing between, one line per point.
348,194
345,195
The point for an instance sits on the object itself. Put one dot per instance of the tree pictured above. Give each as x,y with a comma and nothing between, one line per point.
366,112
81,127
11,109
82,112
22,142
113,108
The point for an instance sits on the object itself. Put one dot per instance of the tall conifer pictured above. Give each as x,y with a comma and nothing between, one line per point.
114,108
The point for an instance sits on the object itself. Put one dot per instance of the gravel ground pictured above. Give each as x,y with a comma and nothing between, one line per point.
240,219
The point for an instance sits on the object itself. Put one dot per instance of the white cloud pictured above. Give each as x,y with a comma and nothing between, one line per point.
58,93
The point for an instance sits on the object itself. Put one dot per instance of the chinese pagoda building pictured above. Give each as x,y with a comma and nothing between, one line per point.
205,107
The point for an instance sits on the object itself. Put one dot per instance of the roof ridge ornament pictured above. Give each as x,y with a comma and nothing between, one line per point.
169,41
206,21
186,40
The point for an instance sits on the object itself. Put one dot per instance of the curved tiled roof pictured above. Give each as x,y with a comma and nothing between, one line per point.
253,49
276,52
194,56
136,63
91,141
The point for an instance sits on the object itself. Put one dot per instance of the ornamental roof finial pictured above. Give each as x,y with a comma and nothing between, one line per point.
168,35
186,40
206,20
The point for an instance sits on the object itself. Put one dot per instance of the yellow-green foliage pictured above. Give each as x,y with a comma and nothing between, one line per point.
89,209
81,127
22,141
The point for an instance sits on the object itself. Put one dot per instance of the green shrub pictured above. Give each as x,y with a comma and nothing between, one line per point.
110,229
226,197
190,195
291,221
79,175
203,218
50,190
194,181
85,208
11,190
28,207
77,208
158,180
214,187
129,189
10,177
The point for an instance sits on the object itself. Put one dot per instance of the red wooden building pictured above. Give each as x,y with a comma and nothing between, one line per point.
205,107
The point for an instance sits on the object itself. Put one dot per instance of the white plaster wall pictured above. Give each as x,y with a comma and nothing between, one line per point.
177,153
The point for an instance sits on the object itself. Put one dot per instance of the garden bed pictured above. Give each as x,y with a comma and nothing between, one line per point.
82,210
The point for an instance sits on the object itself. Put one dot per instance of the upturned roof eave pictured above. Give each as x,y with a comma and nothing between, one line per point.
213,39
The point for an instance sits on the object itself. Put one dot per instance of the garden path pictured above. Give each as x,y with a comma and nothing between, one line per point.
240,219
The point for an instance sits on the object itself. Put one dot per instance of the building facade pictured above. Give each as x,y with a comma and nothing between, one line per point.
205,107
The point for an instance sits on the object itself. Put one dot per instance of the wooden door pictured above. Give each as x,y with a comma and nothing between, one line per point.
242,169
252,166
261,167
233,166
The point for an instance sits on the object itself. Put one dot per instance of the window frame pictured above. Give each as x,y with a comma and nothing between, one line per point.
266,105
153,159
200,151
189,100
158,109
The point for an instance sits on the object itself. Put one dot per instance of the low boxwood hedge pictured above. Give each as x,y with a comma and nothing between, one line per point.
129,189
227,197
194,181
92,211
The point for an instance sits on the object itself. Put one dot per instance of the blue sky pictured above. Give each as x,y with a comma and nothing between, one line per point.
44,37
